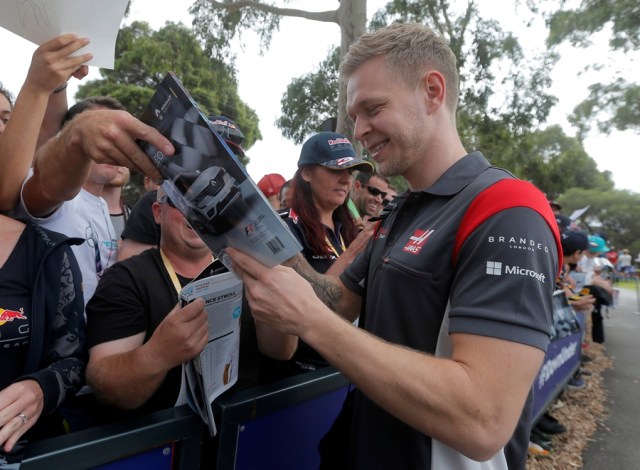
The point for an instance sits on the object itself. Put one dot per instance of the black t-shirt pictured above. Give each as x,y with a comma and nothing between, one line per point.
134,296
15,314
141,226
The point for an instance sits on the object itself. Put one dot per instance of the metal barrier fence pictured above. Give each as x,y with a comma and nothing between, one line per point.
274,426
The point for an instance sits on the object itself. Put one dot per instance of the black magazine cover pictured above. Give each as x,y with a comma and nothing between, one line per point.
209,185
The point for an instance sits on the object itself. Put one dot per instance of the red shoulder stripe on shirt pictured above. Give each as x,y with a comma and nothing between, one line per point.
505,194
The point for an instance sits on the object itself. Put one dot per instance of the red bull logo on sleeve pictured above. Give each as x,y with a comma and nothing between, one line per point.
10,315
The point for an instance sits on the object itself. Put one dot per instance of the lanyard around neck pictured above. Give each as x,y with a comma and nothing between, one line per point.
172,272
333,248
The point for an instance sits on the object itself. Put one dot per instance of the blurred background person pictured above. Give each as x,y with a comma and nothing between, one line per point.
285,195
119,210
368,195
270,186
624,264
391,193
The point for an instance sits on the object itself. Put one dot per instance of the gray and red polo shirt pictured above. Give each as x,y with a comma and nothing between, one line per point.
477,253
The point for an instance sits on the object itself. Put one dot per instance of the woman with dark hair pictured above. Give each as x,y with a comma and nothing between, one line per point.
321,221
319,216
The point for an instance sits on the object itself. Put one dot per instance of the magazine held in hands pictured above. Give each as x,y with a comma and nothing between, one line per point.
215,369
212,189
208,184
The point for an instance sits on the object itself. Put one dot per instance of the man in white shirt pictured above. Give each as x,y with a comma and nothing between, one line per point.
82,212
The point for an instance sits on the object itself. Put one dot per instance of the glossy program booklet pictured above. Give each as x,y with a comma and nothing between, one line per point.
215,369
209,185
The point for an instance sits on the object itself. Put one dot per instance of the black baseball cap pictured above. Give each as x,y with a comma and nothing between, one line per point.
333,151
573,241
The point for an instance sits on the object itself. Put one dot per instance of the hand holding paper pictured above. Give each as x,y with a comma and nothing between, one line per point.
41,20
53,62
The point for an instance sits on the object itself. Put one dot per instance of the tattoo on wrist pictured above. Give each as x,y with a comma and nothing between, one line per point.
325,288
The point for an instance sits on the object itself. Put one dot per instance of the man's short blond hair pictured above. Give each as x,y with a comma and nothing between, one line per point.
410,49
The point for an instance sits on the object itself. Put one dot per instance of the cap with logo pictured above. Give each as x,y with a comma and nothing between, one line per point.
333,151
597,244
229,131
270,184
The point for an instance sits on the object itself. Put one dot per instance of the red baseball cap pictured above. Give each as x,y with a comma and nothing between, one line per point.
270,184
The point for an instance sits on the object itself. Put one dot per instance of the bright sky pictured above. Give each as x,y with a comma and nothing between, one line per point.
302,44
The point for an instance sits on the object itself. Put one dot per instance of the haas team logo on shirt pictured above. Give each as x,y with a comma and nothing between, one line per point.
417,241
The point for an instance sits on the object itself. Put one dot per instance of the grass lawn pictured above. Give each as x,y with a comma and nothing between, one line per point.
626,284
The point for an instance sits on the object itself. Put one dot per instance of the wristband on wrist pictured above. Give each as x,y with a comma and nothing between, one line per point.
61,88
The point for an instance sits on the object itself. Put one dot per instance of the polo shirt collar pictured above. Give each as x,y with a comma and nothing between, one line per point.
454,180
459,175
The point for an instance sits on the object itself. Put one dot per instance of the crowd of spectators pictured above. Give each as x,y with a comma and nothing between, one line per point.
90,323
589,269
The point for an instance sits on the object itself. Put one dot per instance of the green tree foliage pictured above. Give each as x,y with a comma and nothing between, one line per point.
614,213
310,100
612,105
220,23
143,58
558,162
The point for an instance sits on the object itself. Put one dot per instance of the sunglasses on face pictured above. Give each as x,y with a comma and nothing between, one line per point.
375,192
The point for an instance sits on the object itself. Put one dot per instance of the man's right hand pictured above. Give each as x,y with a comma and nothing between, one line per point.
109,136
182,335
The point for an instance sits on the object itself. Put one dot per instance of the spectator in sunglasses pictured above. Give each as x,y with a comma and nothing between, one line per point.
368,193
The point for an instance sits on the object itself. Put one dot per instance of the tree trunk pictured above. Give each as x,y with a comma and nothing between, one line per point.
352,19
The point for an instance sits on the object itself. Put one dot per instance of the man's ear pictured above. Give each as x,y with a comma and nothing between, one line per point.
157,210
435,88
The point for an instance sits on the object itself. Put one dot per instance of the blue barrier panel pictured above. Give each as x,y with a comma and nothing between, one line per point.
160,458
173,435
563,355
279,426
288,439
560,363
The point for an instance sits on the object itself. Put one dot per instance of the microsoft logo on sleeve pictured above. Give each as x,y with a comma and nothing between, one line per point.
494,268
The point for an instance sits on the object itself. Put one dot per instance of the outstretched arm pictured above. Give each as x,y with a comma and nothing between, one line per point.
471,401
328,289
63,163
51,66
